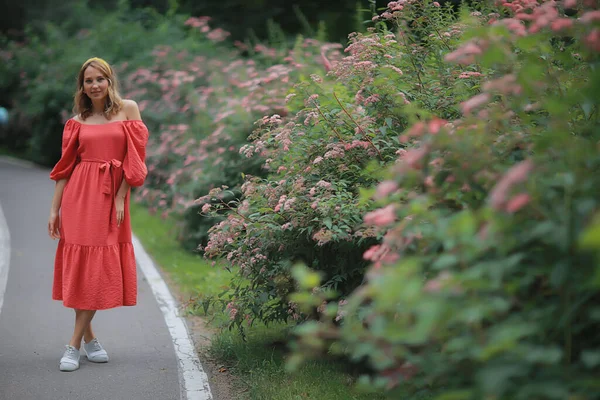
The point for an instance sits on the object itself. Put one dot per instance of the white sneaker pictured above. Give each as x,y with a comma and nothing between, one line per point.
70,359
95,352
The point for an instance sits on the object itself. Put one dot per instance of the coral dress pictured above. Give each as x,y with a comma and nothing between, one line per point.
95,266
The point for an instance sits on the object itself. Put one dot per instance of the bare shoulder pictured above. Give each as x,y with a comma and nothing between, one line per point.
77,118
132,111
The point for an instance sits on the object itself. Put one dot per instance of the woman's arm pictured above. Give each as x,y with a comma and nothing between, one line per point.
53,221
132,112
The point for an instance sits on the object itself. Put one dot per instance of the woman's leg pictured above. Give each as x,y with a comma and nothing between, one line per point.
88,334
83,318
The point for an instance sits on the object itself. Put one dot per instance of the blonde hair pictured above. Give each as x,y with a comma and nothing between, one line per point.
113,103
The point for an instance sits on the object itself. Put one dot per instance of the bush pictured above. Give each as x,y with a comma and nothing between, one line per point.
341,133
486,283
212,105
40,73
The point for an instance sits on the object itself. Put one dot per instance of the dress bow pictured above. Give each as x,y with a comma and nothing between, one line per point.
109,167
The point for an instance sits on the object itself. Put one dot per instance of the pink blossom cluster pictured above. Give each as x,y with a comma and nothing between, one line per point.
322,236
381,217
258,92
201,23
499,196
335,150
470,74
232,310
465,54
381,254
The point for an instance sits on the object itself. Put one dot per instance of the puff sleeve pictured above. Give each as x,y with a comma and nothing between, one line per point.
70,146
134,165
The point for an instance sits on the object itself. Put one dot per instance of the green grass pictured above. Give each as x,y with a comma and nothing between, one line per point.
257,362
194,275
261,365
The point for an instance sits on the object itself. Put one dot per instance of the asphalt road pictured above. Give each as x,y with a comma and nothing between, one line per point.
34,328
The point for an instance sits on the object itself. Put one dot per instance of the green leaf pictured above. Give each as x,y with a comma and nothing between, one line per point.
497,378
445,261
328,222
456,395
587,108
590,358
590,238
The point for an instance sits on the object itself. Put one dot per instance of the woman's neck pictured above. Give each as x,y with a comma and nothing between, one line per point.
98,106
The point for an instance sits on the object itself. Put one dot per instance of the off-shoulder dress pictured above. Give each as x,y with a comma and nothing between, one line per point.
94,267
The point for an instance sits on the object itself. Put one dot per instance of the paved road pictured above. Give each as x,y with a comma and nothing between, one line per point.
34,328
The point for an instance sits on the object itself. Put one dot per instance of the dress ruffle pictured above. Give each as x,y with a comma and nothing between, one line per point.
95,277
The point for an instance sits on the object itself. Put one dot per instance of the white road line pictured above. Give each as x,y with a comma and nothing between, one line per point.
193,380
4,255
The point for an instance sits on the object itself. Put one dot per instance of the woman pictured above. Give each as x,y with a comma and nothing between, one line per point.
103,155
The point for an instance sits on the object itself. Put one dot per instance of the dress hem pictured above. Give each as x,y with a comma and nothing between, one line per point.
95,308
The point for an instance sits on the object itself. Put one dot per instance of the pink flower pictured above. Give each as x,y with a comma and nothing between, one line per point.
465,54
436,124
593,40
416,130
570,3
516,174
206,208
325,61
517,202
514,25
323,184
232,313
381,254
413,156
441,281
469,74
435,3
381,217
385,188
590,16
475,102
560,24
429,182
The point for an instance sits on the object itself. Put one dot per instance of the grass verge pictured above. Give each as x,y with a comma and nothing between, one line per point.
193,275
261,366
258,362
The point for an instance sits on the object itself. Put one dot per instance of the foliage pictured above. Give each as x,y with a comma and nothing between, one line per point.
204,108
244,19
486,283
40,73
340,134
260,363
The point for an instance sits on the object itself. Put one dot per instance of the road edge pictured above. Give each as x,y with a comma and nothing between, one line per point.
193,379
4,255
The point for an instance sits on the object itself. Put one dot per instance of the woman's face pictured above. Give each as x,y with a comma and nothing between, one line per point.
95,84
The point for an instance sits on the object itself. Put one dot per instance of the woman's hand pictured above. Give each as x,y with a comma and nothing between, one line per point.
120,207
53,225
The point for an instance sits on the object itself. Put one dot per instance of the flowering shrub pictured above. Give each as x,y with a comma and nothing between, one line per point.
203,109
486,281
341,133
